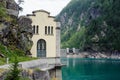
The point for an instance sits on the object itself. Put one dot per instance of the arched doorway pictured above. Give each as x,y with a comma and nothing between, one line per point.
41,48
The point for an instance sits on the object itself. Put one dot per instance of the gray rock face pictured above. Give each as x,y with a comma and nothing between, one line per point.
25,30
12,12
11,4
92,14
4,31
20,35
17,33
12,7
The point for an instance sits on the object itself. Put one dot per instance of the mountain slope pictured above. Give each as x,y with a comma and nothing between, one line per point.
91,24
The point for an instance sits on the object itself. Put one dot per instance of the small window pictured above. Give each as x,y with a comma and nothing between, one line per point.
34,29
45,29
48,29
37,29
52,30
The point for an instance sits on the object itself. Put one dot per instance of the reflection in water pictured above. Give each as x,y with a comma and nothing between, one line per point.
67,62
91,69
74,62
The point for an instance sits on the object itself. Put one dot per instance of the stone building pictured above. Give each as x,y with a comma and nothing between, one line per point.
46,38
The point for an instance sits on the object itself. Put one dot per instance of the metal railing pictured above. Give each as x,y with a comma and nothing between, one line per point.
41,53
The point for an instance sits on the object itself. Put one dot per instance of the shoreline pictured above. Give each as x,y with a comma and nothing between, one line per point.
94,55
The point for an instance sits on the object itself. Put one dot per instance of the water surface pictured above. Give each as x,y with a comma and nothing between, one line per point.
90,69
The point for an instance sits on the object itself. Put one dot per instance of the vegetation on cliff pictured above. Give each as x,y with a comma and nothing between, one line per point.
91,25
11,52
15,32
3,12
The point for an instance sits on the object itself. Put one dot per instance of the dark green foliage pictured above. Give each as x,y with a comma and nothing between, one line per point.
11,52
3,12
74,40
107,23
101,22
14,72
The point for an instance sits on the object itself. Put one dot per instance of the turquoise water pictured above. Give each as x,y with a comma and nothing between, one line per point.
90,69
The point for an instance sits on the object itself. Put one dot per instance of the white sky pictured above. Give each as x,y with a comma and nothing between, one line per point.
52,6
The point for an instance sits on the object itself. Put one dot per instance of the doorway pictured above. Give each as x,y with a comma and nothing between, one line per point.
41,48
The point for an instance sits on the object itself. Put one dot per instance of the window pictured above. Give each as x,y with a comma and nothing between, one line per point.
45,29
34,29
48,29
37,29
52,30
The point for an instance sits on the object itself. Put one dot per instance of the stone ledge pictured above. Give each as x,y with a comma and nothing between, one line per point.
12,12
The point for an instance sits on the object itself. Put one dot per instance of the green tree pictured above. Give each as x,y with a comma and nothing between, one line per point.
14,72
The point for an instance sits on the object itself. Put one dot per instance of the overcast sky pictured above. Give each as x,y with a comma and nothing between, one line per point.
52,6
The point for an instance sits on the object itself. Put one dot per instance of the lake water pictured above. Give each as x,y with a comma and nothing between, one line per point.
90,69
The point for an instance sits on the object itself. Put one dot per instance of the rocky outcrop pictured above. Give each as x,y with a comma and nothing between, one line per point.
12,7
92,14
11,4
20,35
36,75
25,31
16,31
10,12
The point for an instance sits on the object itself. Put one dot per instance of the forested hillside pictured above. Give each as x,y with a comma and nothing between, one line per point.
91,25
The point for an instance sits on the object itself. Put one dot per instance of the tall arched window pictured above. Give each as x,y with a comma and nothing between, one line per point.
48,29
37,29
34,29
52,30
45,29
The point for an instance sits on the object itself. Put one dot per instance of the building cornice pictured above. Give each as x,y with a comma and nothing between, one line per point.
41,11
58,28
33,14
30,14
51,16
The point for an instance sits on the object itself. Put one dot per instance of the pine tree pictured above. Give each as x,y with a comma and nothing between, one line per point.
14,73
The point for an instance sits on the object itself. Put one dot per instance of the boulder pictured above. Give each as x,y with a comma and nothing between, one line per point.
26,33
1,55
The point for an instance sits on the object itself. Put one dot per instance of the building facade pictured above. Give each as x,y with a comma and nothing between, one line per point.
46,38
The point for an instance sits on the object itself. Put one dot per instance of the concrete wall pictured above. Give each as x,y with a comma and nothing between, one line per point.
64,52
58,40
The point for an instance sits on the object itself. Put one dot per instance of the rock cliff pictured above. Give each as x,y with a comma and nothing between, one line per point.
15,31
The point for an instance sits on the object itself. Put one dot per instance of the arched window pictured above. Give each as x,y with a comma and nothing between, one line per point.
34,29
45,29
52,30
48,29
37,29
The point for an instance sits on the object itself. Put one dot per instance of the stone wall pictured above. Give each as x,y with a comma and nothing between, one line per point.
30,74
64,52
